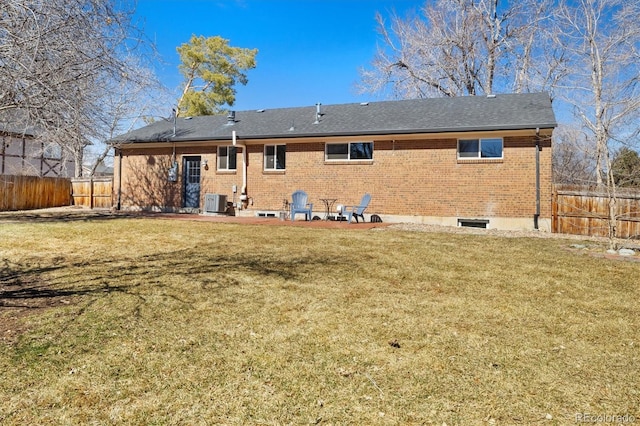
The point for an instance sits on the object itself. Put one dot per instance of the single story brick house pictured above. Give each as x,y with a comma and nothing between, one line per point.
477,160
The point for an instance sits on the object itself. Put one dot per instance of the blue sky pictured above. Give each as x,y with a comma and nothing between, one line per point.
309,51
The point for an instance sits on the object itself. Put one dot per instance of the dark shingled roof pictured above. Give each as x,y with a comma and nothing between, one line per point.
460,114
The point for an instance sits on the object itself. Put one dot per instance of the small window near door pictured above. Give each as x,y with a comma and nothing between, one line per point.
227,158
275,157
192,170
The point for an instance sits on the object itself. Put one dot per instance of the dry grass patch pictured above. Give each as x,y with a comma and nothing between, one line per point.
165,322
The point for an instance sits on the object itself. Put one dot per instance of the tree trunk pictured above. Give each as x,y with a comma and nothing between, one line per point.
78,157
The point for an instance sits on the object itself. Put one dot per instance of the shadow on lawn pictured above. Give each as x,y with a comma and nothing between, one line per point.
57,282
184,277
25,287
43,216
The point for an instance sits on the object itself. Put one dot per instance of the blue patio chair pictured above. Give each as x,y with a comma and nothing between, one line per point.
299,205
354,211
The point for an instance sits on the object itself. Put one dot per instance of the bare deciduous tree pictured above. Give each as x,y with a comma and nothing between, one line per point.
58,61
602,40
127,103
572,157
461,47
538,57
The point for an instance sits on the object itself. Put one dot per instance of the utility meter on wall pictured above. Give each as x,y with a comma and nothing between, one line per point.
173,172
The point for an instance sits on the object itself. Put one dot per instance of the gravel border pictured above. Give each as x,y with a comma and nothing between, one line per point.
418,227
595,246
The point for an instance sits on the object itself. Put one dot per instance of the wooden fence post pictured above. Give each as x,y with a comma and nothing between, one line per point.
554,211
91,193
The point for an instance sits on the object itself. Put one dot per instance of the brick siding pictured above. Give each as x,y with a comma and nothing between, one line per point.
405,177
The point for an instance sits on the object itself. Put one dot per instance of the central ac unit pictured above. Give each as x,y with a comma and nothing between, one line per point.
215,203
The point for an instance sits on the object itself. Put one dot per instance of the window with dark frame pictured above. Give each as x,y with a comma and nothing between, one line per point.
480,148
227,158
275,157
351,151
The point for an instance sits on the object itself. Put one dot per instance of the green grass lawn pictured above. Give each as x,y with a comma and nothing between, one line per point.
149,321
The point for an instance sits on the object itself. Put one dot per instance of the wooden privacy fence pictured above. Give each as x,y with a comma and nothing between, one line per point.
585,211
94,193
33,192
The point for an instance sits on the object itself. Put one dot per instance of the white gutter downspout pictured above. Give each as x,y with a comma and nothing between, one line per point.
243,193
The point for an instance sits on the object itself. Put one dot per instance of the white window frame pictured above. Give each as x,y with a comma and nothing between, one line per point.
348,157
275,167
478,155
226,167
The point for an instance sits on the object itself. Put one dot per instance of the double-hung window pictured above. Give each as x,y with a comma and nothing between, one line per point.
227,158
479,148
349,151
275,157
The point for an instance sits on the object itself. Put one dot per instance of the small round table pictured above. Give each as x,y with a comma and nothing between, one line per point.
328,204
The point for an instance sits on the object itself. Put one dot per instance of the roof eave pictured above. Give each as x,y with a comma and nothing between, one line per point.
307,135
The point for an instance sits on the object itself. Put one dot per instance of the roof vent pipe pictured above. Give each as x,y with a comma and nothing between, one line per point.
175,117
231,118
318,113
